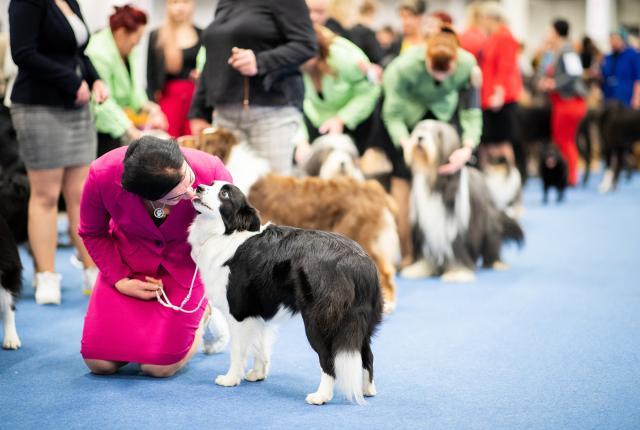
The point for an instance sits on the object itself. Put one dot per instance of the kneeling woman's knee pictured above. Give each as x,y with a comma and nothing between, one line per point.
101,367
160,371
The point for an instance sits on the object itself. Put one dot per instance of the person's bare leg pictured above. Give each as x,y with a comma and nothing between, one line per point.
72,184
43,211
158,371
104,367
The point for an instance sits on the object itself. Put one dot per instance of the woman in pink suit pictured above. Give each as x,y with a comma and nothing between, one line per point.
134,219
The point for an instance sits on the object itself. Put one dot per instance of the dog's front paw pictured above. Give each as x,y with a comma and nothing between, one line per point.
419,269
255,375
389,307
318,398
369,389
228,380
500,266
458,276
11,341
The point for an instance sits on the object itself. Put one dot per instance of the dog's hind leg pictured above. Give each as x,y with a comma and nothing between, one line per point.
11,339
316,337
262,354
368,386
241,339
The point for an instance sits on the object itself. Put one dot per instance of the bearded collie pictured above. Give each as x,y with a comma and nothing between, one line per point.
259,274
455,219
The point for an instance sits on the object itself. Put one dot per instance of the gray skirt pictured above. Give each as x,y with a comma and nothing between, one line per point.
51,137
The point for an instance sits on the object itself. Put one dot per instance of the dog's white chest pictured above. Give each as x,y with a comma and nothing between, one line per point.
438,225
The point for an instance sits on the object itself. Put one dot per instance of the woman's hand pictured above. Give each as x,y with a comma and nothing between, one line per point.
133,133
139,289
198,125
83,95
157,119
332,126
458,158
100,92
244,61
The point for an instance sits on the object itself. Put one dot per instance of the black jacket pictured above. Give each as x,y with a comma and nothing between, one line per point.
365,39
156,74
51,65
281,36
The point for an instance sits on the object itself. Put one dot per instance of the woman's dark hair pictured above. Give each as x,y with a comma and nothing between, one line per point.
152,167
128,17
561,26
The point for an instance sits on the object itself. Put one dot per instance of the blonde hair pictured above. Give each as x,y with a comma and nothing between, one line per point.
494,10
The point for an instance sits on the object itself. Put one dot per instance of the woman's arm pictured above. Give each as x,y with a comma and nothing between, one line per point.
395,102
94,230
25,18
152,63
292,18
346,57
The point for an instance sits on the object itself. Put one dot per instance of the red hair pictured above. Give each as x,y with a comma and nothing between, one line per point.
128,17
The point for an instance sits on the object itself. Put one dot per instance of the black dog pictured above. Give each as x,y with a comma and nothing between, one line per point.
553,171
10,282
258,275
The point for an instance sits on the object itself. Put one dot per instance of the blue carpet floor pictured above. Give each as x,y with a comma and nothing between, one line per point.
554,343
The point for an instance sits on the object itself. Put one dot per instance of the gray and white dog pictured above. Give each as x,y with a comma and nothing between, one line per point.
454,218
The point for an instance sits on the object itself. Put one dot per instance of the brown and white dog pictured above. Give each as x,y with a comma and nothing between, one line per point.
361,211
455,219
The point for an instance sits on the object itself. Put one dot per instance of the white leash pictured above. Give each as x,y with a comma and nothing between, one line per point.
164,300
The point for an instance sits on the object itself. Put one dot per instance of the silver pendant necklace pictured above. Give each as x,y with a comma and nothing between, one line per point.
158,213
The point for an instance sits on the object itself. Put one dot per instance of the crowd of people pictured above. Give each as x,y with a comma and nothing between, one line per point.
278,74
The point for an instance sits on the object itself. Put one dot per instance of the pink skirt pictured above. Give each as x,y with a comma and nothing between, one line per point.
122,328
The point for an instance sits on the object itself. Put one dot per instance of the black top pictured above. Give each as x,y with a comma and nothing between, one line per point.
366,40
281,36
156,75
51,65
333,25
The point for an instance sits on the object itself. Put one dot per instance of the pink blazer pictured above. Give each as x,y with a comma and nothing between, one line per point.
118,231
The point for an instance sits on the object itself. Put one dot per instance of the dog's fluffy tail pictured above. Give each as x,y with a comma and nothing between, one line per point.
348,368
511,230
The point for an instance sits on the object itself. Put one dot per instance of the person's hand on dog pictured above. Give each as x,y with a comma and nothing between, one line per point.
157,119
332,126
244,61
458,159
83,95
100,92
139,289
197,125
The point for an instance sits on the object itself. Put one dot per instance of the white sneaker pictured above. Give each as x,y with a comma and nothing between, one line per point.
48,288
216,333
89,277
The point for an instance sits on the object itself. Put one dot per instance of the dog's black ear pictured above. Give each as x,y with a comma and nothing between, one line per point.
247,219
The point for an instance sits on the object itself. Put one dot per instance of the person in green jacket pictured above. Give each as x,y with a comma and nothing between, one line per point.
111,50
338,96
438,81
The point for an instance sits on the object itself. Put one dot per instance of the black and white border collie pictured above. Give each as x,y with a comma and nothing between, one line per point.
10,282
257,275
455,219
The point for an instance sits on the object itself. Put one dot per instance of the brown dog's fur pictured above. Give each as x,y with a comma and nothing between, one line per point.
214,140
344,205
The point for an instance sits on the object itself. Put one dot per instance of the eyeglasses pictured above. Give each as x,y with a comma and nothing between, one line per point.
187,187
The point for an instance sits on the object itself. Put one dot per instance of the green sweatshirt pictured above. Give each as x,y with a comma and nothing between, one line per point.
410,91
347,93
123,92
